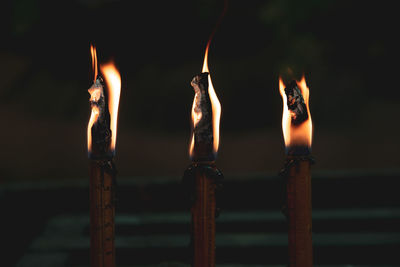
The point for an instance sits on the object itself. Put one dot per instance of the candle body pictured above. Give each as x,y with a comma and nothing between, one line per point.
203,220
298,187
202,182
102,212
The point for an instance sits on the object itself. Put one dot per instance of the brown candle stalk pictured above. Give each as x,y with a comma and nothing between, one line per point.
298,209
102,213
203,181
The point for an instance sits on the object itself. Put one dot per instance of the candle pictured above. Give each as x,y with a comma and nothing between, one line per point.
101,134
202,178
297,132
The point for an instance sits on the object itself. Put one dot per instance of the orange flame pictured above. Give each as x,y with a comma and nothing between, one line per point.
94,61
215,105
300,135
93,118
112,78
95,94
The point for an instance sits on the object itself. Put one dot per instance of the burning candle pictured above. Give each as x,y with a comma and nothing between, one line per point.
297,133
202,177
206,114
101,134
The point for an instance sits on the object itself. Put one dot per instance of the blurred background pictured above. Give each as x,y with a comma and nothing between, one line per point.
346,50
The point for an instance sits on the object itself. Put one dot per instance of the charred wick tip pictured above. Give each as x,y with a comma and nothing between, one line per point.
296,104
200,80
98,82
100,79
101,132
203,130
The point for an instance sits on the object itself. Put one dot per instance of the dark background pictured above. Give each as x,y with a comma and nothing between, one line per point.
346,50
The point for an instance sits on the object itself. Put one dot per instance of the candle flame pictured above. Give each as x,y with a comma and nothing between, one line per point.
296,135
113,83
112,78
215,105
205,62
94,61
95,94
93,118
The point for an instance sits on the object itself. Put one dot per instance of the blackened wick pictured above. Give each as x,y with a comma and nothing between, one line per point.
101,132
295,103
203,130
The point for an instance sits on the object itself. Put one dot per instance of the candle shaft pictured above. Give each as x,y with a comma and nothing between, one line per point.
102,212
203,220
203,182
298,185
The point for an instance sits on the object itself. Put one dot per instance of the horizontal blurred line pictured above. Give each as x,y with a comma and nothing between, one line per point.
140,180
243,240
180,217
260,216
